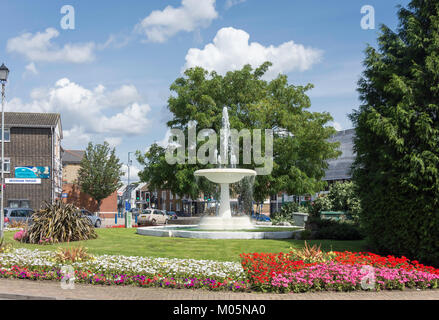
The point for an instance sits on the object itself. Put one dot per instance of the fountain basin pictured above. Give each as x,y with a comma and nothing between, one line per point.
188,232
225,175
219,223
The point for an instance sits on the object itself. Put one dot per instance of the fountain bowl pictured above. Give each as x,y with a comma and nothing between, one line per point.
225,175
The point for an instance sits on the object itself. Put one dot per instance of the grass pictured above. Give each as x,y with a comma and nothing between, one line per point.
127,242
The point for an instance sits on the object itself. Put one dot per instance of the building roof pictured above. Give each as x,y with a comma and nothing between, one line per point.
72,156
28,119
340,168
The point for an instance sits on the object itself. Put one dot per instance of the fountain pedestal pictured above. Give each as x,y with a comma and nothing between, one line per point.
225,221
224,211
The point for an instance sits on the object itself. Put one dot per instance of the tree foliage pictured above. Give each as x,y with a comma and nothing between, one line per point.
397,136
253,103
100,172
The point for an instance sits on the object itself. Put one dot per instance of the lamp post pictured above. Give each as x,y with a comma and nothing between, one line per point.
4,72
128,166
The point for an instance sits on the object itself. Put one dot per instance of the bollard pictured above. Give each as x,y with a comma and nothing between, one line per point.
128,220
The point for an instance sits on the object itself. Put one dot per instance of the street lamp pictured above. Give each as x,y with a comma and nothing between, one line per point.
130,162
4,72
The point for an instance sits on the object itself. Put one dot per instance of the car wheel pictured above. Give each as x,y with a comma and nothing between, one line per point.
153,221
98,224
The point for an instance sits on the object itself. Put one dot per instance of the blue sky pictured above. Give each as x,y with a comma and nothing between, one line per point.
109,77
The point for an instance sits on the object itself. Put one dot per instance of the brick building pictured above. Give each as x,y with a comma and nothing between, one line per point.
33,170
71,162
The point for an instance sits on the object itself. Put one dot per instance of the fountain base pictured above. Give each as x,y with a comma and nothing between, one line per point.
219,223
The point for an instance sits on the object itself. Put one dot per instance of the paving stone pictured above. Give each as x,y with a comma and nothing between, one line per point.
27,289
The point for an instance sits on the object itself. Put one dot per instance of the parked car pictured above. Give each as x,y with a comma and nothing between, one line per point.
152,216
94,219
23,215
261,217
172,215
183,214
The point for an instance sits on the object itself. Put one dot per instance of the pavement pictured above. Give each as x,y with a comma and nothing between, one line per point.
15,289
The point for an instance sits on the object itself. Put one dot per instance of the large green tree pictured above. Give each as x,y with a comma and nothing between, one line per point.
397,136
100,172
300,148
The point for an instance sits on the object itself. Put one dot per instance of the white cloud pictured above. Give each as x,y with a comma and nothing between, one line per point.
159,26
39,47
133,120
125,94
89,113
231,3
114,141
76,137
134,173
231,50
31,68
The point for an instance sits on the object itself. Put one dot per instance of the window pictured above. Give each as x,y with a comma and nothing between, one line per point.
7,165
19,204
26,213
164,195
7,135
15,213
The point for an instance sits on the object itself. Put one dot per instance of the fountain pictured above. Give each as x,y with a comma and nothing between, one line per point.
224,177
223,226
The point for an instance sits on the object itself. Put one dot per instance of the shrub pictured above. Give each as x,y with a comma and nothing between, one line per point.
343,197
305,235
19,235
334,230
322,203
59,222
285,214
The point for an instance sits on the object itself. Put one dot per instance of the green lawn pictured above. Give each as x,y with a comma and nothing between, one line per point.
127,242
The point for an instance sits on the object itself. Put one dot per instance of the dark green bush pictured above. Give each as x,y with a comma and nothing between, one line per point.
334,230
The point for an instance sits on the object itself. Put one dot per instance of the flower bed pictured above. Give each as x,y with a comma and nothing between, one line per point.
117,270
343,272
273,272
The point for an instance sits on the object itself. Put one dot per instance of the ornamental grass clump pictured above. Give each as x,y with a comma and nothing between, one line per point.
310,254
59,222
75,254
